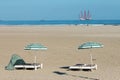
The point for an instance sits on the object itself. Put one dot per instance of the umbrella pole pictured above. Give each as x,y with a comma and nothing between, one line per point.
35,63
91,59
35,60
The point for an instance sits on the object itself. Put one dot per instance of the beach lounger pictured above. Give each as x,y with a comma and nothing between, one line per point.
83,67
16,62
34,66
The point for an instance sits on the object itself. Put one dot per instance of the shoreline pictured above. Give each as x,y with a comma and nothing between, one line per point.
59,25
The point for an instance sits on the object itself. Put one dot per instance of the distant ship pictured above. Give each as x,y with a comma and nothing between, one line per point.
85,15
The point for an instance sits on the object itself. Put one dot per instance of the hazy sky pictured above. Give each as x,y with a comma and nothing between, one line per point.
58,9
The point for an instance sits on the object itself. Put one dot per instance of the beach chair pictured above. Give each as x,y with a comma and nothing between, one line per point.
16,62
83,67
33,66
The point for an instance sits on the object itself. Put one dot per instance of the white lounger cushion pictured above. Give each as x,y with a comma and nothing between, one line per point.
31,66
85,66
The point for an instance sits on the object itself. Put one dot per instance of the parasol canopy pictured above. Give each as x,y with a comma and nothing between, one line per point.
35,46
89,45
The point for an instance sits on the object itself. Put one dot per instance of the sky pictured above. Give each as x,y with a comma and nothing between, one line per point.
58,9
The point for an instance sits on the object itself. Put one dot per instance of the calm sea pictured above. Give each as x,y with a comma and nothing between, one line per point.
58,22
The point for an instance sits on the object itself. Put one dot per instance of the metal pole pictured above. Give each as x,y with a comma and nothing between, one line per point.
91,59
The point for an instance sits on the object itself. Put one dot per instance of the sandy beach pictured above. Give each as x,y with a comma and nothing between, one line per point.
62,42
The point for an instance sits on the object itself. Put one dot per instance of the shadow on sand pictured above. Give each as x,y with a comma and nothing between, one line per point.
63,73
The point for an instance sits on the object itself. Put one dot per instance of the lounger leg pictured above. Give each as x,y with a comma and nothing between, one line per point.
91,70
41,66
35,67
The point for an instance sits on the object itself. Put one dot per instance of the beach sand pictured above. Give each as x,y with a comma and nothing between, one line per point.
62,42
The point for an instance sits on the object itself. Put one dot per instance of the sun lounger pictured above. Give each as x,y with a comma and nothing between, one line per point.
34,66
83,67
16,62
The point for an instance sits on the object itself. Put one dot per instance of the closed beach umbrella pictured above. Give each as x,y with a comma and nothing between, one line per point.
90,45
35,47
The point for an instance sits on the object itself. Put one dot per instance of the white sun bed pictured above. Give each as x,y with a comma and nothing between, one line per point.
83,67
34,66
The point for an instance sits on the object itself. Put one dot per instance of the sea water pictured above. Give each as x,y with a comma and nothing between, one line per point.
58,22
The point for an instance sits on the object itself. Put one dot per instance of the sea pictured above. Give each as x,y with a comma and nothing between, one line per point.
59,22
